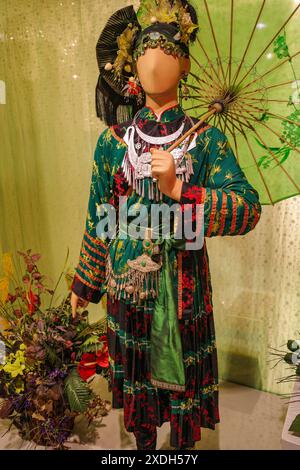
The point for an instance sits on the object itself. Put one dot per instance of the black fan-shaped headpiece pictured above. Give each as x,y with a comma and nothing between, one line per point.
113,105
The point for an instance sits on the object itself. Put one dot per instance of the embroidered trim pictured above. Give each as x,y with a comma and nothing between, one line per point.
245,219
90,276
93,249
211,389
168,386
168,47
97,241
90,266
223,212
213,211
91,257
234,209
256,217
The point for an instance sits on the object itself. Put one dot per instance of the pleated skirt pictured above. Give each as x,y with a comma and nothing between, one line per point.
129,344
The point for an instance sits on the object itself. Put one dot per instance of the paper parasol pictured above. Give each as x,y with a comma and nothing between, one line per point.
245,63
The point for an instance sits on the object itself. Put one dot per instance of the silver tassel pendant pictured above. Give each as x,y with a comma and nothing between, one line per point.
140,281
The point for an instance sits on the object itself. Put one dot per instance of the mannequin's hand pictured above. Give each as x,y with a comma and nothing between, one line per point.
163,168
76,302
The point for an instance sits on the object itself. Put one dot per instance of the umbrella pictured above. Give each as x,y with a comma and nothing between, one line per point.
243,61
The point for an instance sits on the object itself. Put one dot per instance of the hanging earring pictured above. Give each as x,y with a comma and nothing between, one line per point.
180,93
185,93
140,95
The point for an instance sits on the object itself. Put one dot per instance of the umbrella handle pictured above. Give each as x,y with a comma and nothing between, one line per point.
194,128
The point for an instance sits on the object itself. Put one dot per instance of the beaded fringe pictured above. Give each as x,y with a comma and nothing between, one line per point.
150,189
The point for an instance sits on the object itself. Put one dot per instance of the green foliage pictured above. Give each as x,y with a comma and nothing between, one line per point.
281,154
91,344
291,132
52,356
290,136
280,46
89,329
77,391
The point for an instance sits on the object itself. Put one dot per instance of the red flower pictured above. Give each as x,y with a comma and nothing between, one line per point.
133,88
102,355
33,302
87,367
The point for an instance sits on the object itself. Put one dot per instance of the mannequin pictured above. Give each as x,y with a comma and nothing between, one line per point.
142,382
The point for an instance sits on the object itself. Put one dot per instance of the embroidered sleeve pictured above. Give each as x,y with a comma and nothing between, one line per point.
230,204
90,271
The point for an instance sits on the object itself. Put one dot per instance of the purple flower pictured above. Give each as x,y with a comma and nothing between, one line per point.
57,374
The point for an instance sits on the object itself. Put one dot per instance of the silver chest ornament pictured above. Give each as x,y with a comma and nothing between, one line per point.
136,164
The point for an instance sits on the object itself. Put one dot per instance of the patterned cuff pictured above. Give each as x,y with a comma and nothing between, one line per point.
85,292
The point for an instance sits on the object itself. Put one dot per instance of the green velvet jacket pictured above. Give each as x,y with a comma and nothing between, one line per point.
231,207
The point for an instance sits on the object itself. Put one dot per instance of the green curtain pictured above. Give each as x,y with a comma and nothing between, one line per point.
48,132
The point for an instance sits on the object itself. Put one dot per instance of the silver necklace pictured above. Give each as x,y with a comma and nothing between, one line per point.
166,139
136,163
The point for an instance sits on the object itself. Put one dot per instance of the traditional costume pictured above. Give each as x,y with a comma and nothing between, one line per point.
161,335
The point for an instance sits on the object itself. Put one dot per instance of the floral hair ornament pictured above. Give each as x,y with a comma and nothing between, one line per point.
168,24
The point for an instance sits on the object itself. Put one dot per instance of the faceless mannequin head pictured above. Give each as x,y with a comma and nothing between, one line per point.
160,73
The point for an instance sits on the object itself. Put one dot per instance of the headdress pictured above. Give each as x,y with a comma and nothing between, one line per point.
169,24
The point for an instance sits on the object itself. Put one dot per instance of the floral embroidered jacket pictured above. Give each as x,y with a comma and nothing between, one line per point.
230,205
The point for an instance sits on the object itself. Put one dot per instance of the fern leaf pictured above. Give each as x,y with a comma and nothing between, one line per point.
98,327
77,391
91,344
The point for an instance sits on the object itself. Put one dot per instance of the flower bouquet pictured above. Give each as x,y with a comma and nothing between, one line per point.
47,359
